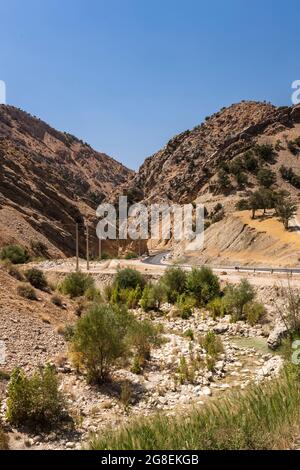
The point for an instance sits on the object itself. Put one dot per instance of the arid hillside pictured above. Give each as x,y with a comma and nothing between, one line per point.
246,147
49,180
180,171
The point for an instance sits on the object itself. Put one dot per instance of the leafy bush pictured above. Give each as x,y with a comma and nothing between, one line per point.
217,307
212,344
242,205
189,334
130,297
266,152
100,339
266,177
131,255
15,254
142,336
293,147
92,294
237,297
153,296
174,282
185,306
250,162
76,284
129,278
27,292
36,278
203,285
36,399
254,312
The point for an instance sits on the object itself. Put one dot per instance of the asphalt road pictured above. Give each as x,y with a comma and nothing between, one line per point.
158,258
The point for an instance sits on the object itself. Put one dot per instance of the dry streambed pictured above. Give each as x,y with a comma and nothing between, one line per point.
163,385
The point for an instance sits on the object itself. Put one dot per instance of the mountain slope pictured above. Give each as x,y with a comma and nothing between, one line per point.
179,171
49,180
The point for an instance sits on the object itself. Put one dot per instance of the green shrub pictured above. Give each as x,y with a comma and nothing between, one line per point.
185,306
129,278
266,178
36,278
254,312
203,285
153,296
107,292
212,344
76,284
130,297
34,400
67,332
15,254
131,255
237,297
174,282
92,294
142,336
217,307
100,339
266,152
27,292
189,334
293,147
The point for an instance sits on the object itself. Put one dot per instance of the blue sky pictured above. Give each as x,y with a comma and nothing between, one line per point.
127,75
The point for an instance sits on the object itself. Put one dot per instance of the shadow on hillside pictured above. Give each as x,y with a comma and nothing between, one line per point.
113,389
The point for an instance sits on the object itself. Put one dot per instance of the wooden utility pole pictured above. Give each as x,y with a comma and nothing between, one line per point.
77,249
87,248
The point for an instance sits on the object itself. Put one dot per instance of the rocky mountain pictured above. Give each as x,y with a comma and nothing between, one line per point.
49,180
180,171
242,148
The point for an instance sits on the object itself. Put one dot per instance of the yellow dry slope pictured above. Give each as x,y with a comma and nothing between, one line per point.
239,240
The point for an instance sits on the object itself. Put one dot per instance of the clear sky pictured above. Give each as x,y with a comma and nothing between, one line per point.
127,75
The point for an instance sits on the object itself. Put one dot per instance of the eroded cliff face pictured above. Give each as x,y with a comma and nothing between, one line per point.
49,180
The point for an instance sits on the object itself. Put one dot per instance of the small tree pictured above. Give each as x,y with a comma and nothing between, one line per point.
153,296
99,339
285,210
36,278
266,152
237,297
76,284
129,278
174,282
255,202
266,177
36,399
203,285
142,336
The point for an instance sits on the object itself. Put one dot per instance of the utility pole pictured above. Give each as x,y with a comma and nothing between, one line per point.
87,249
100,249
77,249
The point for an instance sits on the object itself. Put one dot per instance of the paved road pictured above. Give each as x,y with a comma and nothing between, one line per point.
158,258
